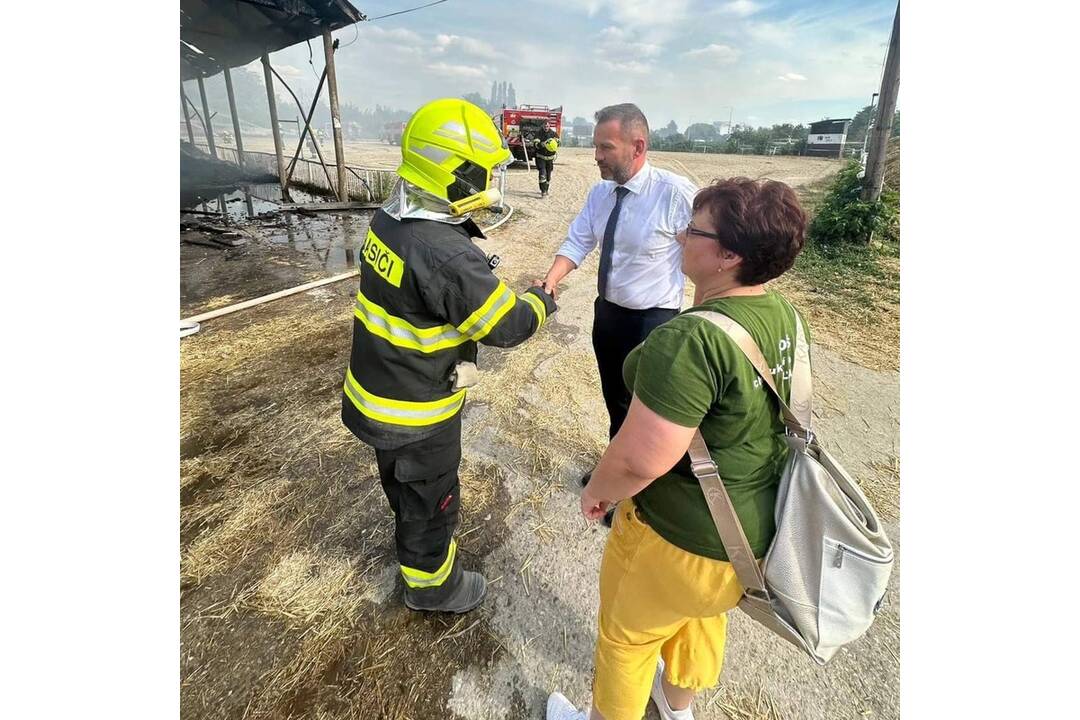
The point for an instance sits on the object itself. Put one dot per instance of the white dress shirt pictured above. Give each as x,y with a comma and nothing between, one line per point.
646,260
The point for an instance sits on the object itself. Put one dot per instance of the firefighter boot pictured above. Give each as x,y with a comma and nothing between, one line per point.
463,591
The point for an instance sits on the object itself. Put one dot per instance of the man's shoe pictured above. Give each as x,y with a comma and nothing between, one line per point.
559,708
459,594
658,697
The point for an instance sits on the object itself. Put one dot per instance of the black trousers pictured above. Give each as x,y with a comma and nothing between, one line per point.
544,168
616,331
421,482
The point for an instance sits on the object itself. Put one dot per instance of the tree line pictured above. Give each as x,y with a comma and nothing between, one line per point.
783,138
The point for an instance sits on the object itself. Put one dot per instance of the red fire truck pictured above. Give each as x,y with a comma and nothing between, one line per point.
526,121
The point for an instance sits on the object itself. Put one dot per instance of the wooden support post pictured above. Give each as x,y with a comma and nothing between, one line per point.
208,127
187,115
235,119
890,88
269,77
335,115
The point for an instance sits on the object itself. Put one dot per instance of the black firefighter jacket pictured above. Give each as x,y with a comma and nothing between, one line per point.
427,296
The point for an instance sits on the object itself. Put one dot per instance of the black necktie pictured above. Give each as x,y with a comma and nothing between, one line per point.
608,247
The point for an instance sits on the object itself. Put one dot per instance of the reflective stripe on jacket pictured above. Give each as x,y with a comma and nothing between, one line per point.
427,295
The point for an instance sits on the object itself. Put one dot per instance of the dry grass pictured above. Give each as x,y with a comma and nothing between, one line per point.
867,334
220,302
849,295
882,487
247,519
740,703
305,587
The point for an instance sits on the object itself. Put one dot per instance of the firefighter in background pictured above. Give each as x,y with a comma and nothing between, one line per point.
545,146
427,296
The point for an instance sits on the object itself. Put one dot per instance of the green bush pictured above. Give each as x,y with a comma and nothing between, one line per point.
844,217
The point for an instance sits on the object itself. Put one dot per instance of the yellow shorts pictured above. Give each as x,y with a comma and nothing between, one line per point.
657,599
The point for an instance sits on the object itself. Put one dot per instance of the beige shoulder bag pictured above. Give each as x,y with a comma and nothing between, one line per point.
824,577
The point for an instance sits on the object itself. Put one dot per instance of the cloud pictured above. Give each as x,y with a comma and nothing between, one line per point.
617,43
398,35
771,33
468,45
791,77
289,71
739,8
640,14
465,72
719,54
627,66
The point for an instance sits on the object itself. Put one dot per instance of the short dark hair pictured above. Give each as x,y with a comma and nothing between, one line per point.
628,114
761,221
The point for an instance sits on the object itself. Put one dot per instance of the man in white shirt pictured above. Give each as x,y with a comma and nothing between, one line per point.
633,214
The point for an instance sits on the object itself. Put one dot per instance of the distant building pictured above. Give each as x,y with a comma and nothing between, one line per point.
826,137
584,129
723,127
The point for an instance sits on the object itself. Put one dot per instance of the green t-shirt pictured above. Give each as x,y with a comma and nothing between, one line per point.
691,373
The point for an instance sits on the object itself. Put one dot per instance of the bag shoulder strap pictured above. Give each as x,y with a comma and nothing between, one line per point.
723,514
704,469
797,417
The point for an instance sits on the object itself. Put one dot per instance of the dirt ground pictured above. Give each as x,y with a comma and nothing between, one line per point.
290,602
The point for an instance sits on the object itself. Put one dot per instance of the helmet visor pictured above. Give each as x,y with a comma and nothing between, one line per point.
469,179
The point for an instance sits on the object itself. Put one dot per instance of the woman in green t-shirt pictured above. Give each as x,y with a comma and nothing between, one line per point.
665,583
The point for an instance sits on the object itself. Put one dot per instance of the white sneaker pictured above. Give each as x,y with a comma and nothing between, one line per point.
559,708
658,697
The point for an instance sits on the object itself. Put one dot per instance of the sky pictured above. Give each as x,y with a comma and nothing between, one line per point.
758,62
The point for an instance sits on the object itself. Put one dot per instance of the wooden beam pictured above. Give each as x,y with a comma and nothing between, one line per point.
235,118
187,115
329,206
269,78
208,127
335,114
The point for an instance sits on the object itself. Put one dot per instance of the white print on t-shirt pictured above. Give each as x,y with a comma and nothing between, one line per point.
783,368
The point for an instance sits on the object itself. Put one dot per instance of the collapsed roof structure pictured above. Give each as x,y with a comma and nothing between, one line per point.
217,35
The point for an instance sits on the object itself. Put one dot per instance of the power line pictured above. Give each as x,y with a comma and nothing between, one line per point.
399,12
402,12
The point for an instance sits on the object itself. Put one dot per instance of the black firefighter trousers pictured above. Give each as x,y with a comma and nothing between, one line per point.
544,167
421,483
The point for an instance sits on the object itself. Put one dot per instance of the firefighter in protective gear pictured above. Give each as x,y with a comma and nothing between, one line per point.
427,296
545,146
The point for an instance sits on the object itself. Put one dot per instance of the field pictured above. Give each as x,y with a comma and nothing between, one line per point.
290,600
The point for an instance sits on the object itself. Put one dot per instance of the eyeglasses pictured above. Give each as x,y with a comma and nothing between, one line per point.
691,230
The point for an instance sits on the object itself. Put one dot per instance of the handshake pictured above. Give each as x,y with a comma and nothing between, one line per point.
548,286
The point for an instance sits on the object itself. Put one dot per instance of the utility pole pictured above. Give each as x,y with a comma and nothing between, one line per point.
890,88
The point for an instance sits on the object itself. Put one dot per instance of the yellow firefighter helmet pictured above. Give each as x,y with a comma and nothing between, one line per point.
449,148
551,145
